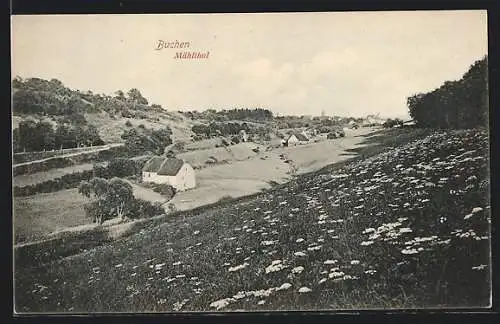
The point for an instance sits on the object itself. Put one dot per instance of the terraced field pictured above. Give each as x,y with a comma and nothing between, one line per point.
402,229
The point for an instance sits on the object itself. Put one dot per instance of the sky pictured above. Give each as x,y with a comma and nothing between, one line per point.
342,63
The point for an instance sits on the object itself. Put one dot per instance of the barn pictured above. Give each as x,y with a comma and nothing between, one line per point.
172,171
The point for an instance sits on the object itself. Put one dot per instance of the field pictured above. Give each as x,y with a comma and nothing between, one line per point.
38,215
406,228
37,177
111,129
255,174
238,152
235,179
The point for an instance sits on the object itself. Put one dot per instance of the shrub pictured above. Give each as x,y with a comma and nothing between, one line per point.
171,208
144,209
225,199
165,190
114,198
128,123
122,167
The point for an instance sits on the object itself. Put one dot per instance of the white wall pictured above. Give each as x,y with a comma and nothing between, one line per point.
156,178
184,180
293,140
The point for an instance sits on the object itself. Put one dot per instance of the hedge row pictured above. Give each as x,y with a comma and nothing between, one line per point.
23,157
62,162
120,167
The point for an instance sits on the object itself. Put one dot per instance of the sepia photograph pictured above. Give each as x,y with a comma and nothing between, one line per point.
250,162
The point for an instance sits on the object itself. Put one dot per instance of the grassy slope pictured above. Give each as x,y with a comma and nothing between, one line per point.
38,215
325,217
110,129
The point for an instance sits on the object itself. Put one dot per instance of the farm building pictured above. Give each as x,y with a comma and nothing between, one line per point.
296,138
243,136
172,171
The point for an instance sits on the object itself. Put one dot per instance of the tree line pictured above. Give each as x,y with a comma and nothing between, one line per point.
216,129
455,104
249,114
143,140
40,135
51,97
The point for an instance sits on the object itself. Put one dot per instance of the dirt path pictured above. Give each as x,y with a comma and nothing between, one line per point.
247,177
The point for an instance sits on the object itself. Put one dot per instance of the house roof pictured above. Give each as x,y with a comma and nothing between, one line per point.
163,166
170,167
153,164
299,136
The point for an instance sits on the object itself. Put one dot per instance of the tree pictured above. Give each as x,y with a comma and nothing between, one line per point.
120,95
95,190
136,96
121,167
107,199
455,104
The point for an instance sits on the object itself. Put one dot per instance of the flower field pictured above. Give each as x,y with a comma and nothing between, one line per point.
407,228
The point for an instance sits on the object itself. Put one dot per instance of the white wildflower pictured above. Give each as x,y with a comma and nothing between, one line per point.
219,304
409,251
304,290
275,266
284,286
238,267
479,267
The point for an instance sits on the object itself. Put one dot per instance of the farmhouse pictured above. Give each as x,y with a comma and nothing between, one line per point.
296,138
172,171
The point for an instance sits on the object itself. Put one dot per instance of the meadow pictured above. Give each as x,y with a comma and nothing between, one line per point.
405,228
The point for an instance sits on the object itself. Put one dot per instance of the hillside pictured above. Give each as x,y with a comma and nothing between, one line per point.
50,101
408,228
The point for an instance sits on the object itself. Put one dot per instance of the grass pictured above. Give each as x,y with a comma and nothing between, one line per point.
38,177
406,228
36,216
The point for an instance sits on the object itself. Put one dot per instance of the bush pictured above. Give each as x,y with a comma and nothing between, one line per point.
128,123
171,208
122,167
144,209
225,199
165,190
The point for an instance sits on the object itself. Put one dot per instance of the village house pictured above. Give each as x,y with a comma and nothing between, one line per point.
171,171
243,136
296,138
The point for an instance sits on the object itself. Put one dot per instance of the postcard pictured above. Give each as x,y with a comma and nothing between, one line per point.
251,162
